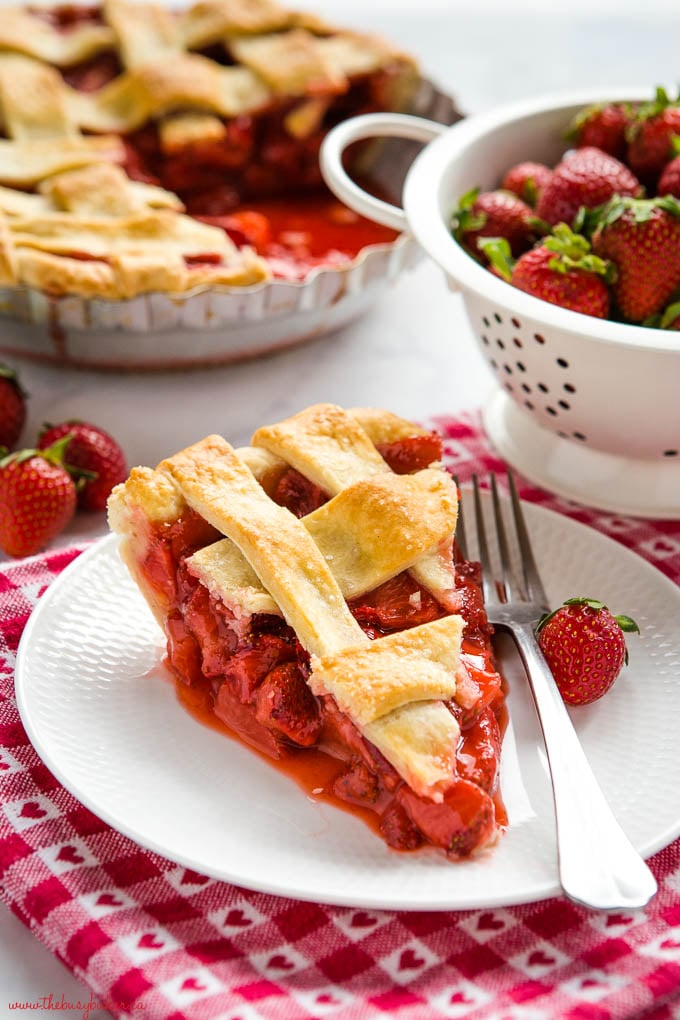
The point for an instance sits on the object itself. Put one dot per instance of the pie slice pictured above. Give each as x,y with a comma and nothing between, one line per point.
314,601
131,136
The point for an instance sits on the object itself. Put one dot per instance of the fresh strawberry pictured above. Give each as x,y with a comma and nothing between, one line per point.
561,270
585,647
37,499
669,182
642,238
527,180
495,214
94,455
603,126
650,137
585,177
12,407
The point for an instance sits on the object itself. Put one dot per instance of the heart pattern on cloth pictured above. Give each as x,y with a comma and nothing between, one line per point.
489,922
616,919
192,984
325,999
460,999
363,920
409,960
280,962
107,899
193,878
70,855
31,809
669,944
540,959
237,919
150,941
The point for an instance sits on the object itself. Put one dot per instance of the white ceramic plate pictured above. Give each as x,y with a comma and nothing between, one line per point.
100,711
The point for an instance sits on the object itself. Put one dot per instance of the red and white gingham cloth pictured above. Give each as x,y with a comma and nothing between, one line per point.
154,940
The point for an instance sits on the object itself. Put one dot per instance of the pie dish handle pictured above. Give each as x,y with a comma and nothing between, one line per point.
357,129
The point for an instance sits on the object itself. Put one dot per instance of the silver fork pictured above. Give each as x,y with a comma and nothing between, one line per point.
598,866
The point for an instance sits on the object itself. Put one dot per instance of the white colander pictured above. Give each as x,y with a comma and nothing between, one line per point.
588,408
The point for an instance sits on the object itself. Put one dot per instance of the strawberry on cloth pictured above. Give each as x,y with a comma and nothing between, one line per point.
95,455
37,499
12,407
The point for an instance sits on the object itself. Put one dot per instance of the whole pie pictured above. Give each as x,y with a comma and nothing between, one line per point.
131,136
314,601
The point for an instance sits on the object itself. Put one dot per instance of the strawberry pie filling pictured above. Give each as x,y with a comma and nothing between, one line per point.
256,181
249,674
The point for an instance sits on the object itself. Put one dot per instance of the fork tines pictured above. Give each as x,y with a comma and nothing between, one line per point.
513,554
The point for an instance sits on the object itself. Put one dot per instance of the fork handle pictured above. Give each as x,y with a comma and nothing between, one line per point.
599,867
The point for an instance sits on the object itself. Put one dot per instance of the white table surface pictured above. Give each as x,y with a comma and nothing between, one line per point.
413,352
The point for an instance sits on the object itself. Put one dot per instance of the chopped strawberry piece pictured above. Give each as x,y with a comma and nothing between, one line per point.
462,822
412,453
479,752
395,605
284,703
298,494
248,667
398,830
241,720
358,785
184,653
471,601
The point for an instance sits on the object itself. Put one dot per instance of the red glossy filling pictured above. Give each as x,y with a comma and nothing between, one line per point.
257,182
251,676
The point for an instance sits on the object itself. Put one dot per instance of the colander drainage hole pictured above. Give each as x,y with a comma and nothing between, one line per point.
671,453
562,362
499,343
539,338
542,387
569,388
497,317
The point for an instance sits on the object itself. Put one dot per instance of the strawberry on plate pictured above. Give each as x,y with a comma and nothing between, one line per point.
12,407
584,644
37,499
96,457
561,270
642,238
585,177
495,214
602,125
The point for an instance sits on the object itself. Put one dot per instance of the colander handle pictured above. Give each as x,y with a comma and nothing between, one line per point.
357,129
